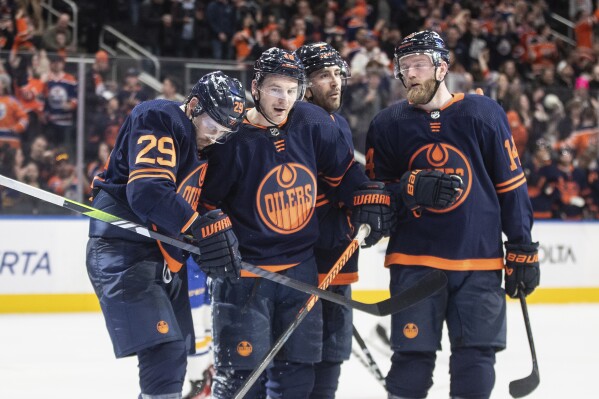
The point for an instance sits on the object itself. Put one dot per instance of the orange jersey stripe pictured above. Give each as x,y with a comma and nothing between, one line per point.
154,170
510,181
270,268
442,263
513,186
173,265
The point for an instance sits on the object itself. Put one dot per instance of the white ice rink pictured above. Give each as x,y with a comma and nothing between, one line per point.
69,356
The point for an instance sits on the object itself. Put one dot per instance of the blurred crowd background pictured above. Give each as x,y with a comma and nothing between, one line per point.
71,71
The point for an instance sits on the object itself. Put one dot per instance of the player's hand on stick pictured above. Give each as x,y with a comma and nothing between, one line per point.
521,268
429,189
372,206
218,245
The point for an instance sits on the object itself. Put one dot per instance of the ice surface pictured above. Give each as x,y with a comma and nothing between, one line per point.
69,356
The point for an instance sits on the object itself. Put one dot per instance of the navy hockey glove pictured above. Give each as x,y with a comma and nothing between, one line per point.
219,251
372,206
429,189
521,268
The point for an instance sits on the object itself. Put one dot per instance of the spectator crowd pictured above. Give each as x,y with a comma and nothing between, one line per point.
545,76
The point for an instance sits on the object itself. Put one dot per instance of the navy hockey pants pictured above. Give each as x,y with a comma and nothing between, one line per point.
248,316
473,306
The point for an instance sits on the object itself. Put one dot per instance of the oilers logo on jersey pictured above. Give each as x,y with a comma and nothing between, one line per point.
191,188
447,159
286,198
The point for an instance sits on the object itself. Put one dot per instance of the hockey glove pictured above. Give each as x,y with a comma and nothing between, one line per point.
429,189
372,206
219,251
521,268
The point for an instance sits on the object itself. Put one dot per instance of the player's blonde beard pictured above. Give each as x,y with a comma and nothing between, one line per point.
423,93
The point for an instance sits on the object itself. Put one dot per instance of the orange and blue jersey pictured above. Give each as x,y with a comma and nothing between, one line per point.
61,99
265,179
469,137
334,219
13,121
153,177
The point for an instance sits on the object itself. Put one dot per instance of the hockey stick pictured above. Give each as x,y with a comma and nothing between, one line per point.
382,308
363,232
524,386
426,286
369,363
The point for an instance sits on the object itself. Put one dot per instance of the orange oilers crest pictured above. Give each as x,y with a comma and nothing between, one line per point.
244,348
286,198
191,188
162,327
410,330
447,159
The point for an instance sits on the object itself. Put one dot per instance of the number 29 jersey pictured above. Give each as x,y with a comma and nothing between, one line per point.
469,137
153,176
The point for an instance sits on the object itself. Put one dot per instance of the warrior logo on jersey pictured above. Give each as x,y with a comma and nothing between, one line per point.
191,187
447,159
286,198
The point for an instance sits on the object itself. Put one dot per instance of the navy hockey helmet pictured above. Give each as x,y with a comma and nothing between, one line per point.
424,42
221,97
316,56
281,62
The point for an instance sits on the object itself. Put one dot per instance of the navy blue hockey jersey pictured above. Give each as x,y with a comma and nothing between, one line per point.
265,179
469,137
334,219
153,177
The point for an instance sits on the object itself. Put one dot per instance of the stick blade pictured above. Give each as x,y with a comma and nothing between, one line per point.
422,289
524,386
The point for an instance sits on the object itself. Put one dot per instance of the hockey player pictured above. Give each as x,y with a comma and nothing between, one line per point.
467,136
200,369
154,177
265,179
327,73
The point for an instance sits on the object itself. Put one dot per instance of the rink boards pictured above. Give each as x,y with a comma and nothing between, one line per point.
42,265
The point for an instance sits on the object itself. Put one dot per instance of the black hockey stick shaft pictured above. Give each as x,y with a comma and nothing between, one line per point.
369,362
422,289
524,386
382,308
363,232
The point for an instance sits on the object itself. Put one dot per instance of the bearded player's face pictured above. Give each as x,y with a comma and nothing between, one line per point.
419,76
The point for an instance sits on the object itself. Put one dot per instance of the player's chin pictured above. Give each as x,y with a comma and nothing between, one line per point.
278,115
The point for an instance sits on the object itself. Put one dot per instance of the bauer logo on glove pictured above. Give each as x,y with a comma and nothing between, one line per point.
521,268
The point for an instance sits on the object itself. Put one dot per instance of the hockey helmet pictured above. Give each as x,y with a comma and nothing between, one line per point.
221,97
281,62
424,42
316,56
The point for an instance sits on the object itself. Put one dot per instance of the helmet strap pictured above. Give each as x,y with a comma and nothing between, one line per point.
256,99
